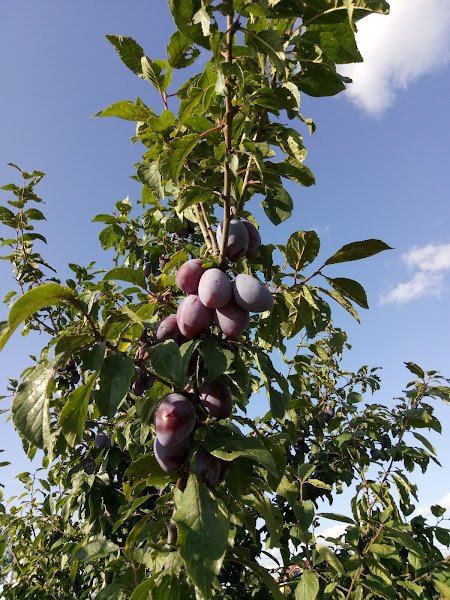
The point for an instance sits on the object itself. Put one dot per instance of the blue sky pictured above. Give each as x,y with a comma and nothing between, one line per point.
380,155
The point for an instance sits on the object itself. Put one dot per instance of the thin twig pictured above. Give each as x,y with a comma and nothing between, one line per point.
211,234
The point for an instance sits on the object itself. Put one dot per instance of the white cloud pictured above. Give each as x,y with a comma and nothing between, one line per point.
426,511
397,49
430,263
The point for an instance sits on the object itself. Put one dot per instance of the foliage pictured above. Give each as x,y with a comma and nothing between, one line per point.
102,519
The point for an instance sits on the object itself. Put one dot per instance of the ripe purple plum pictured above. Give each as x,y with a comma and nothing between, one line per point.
216,398
102,441
232,319
209,468
147,269
174,420
193,317
238,239
171,458
167,329
188,275
215,289
250,294
254,238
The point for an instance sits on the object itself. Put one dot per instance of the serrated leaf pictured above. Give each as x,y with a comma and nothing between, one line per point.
96,549
270,44
278,204
357,251
216,358
134,276
125,109
175,155
149,174
350,289
229,444
128,50
171,362
203,526
340,299
156,72
180,51
115,377
73,415
36,299
308,587
30,406
147,468
302,248
337,40
183,12
415,369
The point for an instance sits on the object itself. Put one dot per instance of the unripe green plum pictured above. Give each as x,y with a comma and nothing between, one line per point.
254,238
175,420
232,319
250,294
193,317
238,239
215,289
215,397
188,275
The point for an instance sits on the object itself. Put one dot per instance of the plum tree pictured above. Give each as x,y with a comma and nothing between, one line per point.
175,419
215,397
214,289
250,294
201,487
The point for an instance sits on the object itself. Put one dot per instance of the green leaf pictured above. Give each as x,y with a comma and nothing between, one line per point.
157,72
291,169
130,111
340,299
96,549
181,53
113,591
171,362
203,527
437,511
337,40
228,444
31,302
128,50
308,588
320,79
30,406
357,251
216,358
115,378
261,572
384,550
270,44
149,174
330,557
415,369
73,415
336,517
175,155
350,289
183,12
134,276
146,468
278,204
302,248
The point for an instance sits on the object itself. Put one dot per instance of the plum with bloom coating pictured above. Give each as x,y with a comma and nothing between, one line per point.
174,420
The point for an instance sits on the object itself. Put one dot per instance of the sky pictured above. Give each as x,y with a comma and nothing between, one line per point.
381,156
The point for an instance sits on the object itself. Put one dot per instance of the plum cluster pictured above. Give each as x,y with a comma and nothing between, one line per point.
175,422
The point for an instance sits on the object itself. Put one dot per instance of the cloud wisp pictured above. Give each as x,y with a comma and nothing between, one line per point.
431,263
412,41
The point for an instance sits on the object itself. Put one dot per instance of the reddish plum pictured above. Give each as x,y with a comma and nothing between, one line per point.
250,294
188,275
174,420
193,317
238,239
232,319
215,289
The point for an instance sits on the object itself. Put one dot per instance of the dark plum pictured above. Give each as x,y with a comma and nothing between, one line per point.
327,414
193,317
254,238
102,441
209,468
214,289
232,319
216,398
171,458
167,329
238,239
174,420
147,269
188,275
250,294
89,465
163,260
